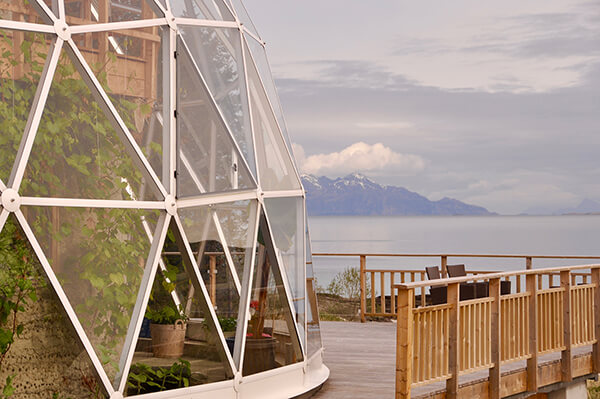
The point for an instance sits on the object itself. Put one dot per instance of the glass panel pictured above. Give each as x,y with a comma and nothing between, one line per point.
81,12
76,143
99,256
275,167
261,62
217,53
236,221
207,160
174,352
201,9
286,218
243,16
130,70
46,358
313,336
271,339
20,10
21,64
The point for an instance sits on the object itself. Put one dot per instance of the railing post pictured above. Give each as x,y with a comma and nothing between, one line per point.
566,366
453,341
532,362
596,347
363,288
494,377
444,265
528,263
404,342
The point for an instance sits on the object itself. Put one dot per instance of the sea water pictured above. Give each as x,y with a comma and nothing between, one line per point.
528,235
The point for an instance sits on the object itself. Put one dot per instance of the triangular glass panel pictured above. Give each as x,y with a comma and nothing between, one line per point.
207,160
22,63
102,11
76,152
218,55
313,336
202,9
221,236
261,62
99,256
23,11
275,167
46,356
188,351
129,66
243,16
286,218
271,339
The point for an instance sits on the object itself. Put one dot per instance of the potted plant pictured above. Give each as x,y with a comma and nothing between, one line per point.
167,329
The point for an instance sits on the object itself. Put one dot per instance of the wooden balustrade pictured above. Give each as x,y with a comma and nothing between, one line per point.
378,297
441,342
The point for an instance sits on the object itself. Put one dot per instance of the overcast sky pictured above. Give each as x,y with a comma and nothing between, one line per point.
493,103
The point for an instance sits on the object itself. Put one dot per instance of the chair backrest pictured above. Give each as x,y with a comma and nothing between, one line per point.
433,273
456,270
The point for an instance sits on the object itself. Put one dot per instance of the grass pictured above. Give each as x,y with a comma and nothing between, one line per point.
593,389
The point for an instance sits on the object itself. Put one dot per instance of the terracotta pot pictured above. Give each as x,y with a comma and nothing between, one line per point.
168,339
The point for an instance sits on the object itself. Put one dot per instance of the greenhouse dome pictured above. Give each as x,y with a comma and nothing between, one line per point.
153,229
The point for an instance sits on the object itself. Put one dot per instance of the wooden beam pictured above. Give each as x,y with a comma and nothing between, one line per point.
494,385
532,374
363,288
444,266
596,320
404,343
453,341
566,366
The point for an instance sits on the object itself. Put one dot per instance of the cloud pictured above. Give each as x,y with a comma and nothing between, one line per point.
359,157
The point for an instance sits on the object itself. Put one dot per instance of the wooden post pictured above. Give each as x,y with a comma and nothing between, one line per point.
596,320
382,282
566,366
453,341
404,342
363,288
532,362
528,263
494,378
213,280
444,265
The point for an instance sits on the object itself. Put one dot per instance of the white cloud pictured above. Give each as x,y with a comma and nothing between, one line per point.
359,157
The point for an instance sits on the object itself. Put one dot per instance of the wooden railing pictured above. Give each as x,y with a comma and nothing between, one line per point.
441,342
378,296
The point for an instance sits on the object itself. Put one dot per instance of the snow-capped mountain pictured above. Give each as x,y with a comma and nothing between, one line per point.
356,194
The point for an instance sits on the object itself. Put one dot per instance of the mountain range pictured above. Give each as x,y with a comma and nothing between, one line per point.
356,194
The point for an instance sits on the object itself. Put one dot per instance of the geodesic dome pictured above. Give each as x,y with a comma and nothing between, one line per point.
147,180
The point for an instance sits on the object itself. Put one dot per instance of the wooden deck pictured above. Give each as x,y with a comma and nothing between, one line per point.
362,360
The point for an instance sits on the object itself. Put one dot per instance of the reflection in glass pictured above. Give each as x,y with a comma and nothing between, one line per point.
81,12
259,57
313,336
243,16
271,339
218,55
98,255
130,70
201,9
21,64
178,345
21,10
207,160
286,217
76,143
276,170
